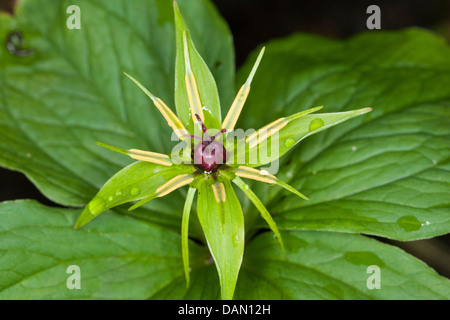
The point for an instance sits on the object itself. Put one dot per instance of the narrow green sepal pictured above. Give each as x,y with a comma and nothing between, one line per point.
261,208
185,232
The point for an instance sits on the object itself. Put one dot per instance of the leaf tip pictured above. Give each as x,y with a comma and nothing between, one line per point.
78,224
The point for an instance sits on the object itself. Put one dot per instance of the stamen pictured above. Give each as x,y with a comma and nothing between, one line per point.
141,155
238,103
219,192
264,176
171,118
152,160
166,188
265,132
173,184
254,174
191,85
148,156
149,153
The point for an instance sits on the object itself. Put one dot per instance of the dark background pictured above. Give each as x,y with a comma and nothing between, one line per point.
253,22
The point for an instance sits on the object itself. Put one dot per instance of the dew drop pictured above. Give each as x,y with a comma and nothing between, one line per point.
288,143
365,258
316,124
118,192
97,206
110,198
409,223
135,191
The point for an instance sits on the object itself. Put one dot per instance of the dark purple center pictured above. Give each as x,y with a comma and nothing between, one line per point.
209,154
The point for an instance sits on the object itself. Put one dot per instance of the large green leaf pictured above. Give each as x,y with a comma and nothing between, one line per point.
320,265
119,257
55,104
386,173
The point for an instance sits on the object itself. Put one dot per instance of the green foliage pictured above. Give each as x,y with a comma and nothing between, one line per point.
385,173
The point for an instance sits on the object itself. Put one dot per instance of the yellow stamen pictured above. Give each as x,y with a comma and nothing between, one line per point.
236,108
173,184
191,85
160,161
171,118
149,153
253,170
254,177
241,97
219,192
265,132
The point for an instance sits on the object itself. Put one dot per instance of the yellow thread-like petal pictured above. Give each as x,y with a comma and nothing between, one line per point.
173,184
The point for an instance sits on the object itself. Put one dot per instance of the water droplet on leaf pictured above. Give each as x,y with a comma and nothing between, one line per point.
135,191
316,124
409,223
365,258
118,192
96,206
288,143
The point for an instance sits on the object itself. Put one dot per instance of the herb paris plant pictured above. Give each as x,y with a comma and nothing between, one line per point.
209,167
383,174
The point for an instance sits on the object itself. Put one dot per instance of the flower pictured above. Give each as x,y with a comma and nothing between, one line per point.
210,161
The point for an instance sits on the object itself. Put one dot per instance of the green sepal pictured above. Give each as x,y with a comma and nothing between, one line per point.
206,83
223,225
185,232
293,129
137,181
